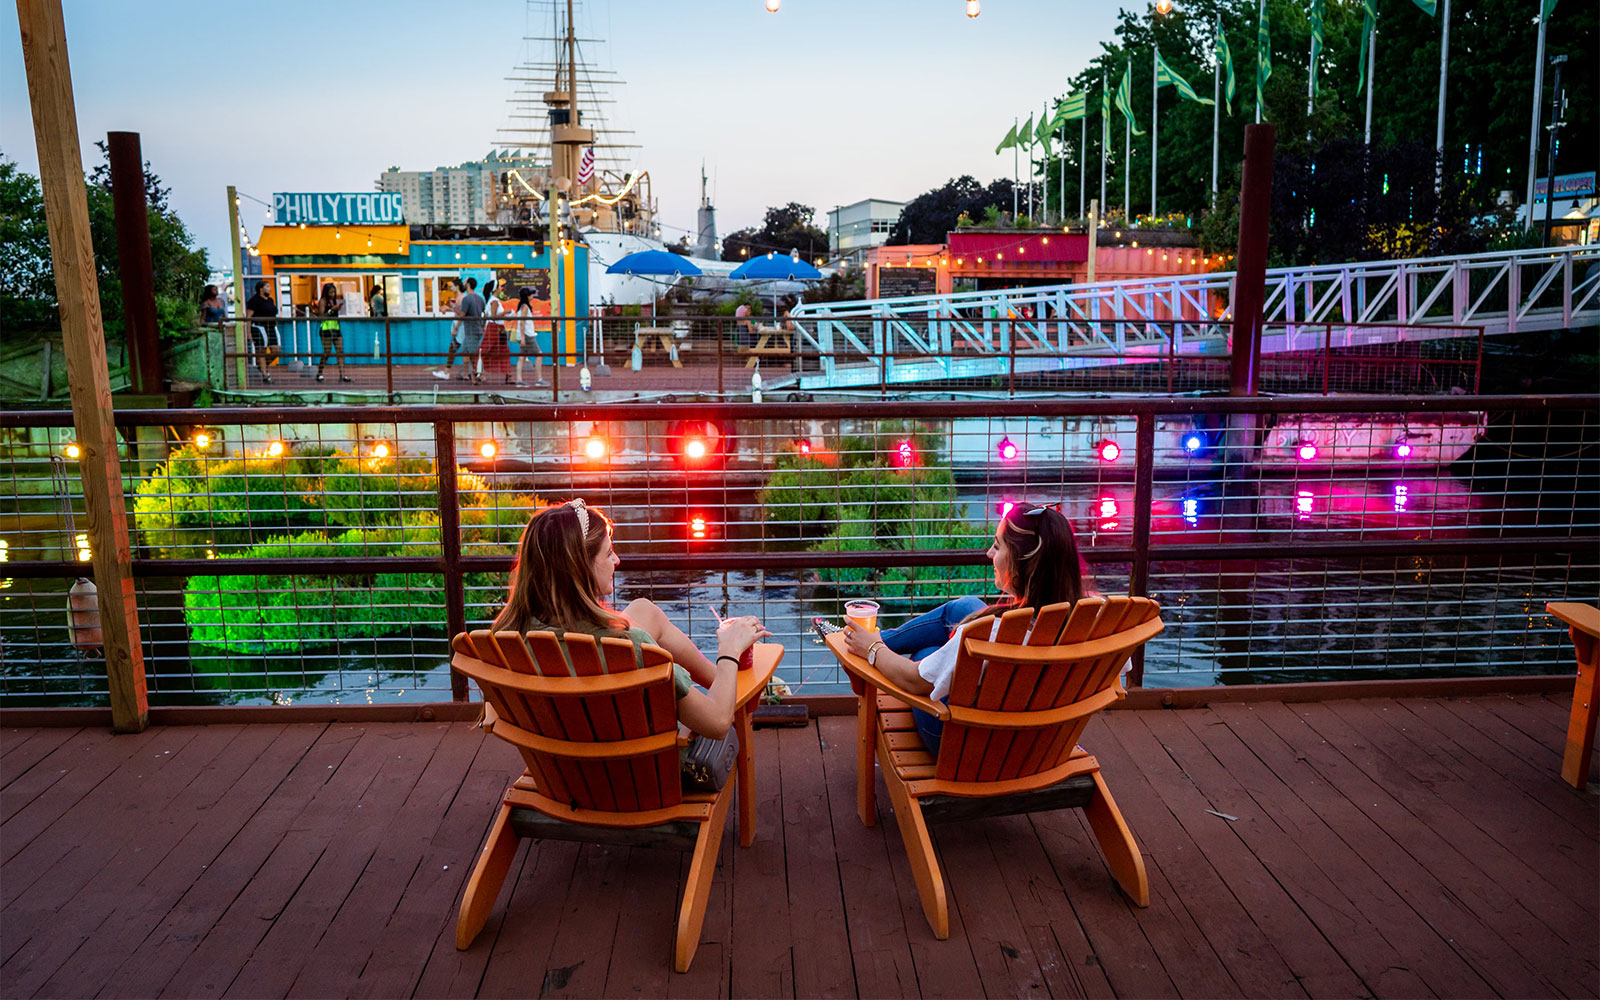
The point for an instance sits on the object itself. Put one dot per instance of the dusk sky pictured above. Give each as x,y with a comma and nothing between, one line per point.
826,102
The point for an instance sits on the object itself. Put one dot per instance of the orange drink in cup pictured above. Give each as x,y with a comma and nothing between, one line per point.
863,614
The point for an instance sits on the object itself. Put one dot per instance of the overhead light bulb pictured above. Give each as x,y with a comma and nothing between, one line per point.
974,8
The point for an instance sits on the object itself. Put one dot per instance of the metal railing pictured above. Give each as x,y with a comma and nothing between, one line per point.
568,357
326,554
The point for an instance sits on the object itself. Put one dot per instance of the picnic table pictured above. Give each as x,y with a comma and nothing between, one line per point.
764,346
643,334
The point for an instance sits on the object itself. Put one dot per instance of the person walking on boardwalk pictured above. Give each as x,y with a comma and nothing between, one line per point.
332,336
533,335
263,336
470,308
496,352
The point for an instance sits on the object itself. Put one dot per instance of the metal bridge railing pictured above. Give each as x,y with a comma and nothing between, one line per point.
295,554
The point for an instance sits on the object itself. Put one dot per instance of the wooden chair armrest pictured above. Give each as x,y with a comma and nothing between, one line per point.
1583,617
874,677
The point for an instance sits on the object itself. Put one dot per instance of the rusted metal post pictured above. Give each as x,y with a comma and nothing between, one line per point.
1327,355
133,261
388,358
455,599
720,332
1249,282
1144,464
66,208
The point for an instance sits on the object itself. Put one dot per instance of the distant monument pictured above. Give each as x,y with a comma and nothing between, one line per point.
706,222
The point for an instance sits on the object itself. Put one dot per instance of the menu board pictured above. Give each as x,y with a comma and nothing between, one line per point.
513,279
895,282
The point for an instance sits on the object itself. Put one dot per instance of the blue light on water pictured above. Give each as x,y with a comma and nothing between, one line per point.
1191,510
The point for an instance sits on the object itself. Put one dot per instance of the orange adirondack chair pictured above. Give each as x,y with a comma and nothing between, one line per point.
600,742
1011,730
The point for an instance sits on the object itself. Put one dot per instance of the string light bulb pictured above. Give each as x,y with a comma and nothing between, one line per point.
974,8
773,5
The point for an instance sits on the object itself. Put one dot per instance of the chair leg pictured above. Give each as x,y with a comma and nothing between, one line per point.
919,851
697,888
1585,708
747,778
866,755
1117,844
488,875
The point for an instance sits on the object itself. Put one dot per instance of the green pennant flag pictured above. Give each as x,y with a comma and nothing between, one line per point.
1041,136
1124,105
1316,42
1368,22
1166,74
1105,98
1549,8
1025,137
1263,57
1072,107
1225,65
1009,141
1428,7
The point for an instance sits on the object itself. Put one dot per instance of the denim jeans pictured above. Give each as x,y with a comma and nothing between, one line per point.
918,638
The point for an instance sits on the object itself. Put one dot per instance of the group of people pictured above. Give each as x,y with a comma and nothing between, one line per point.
486,326
564,576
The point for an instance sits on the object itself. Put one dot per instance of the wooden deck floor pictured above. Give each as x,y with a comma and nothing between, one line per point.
1382,847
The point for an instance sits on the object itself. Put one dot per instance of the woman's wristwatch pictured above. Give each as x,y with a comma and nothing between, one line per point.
872,653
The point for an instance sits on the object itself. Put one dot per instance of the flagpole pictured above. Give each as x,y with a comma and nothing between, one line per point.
1083,154
1261,11
1372,65
1311,85
1014,122
1533,128
1127,155
1105,136
1216,113
1444,72
1061,186
1155,126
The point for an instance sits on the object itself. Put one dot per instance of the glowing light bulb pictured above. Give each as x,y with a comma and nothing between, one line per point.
275,449
72,450
380,450
974,8
804,447
1307,451
1193,443
1402,450
1109,451
595,448
488,449
695,448
1008,449
773,5
202,440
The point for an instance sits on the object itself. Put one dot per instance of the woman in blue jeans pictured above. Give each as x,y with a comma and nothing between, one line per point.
1036,564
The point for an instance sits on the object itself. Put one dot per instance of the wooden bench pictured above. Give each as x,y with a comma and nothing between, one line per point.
764,346
643,334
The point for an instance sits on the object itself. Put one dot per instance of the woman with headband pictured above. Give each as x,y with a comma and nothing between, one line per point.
1036,564
564,572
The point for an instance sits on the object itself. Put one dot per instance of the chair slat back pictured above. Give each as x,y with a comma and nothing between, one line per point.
970,752
622,783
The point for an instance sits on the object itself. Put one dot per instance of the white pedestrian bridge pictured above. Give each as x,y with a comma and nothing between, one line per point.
883,342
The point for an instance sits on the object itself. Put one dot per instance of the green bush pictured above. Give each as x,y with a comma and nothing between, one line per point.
229,501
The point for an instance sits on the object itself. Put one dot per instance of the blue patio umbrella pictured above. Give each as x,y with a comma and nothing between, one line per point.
776,267
654,263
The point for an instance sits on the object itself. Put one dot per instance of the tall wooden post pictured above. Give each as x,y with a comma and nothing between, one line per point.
133,260
238,290
1250,272
55,128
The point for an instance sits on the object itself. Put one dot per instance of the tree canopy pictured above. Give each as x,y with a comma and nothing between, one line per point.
27,277
787,228
928,217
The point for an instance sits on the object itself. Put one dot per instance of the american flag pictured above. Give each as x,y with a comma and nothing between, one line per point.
586,165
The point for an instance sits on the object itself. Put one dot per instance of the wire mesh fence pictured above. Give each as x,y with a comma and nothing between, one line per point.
326,555
562,358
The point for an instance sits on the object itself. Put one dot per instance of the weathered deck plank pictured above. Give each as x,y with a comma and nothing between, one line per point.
1393,847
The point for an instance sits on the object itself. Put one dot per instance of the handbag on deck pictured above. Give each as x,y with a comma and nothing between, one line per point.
708,762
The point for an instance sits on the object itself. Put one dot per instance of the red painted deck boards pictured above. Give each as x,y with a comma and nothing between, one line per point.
1391,847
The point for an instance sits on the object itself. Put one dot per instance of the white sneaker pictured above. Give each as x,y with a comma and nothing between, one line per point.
440,373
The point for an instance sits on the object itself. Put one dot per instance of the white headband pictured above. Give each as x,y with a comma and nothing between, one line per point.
583,514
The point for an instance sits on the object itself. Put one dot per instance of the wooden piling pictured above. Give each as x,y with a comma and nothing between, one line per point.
55,127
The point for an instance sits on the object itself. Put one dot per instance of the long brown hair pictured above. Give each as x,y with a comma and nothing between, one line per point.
1046,567
552,580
